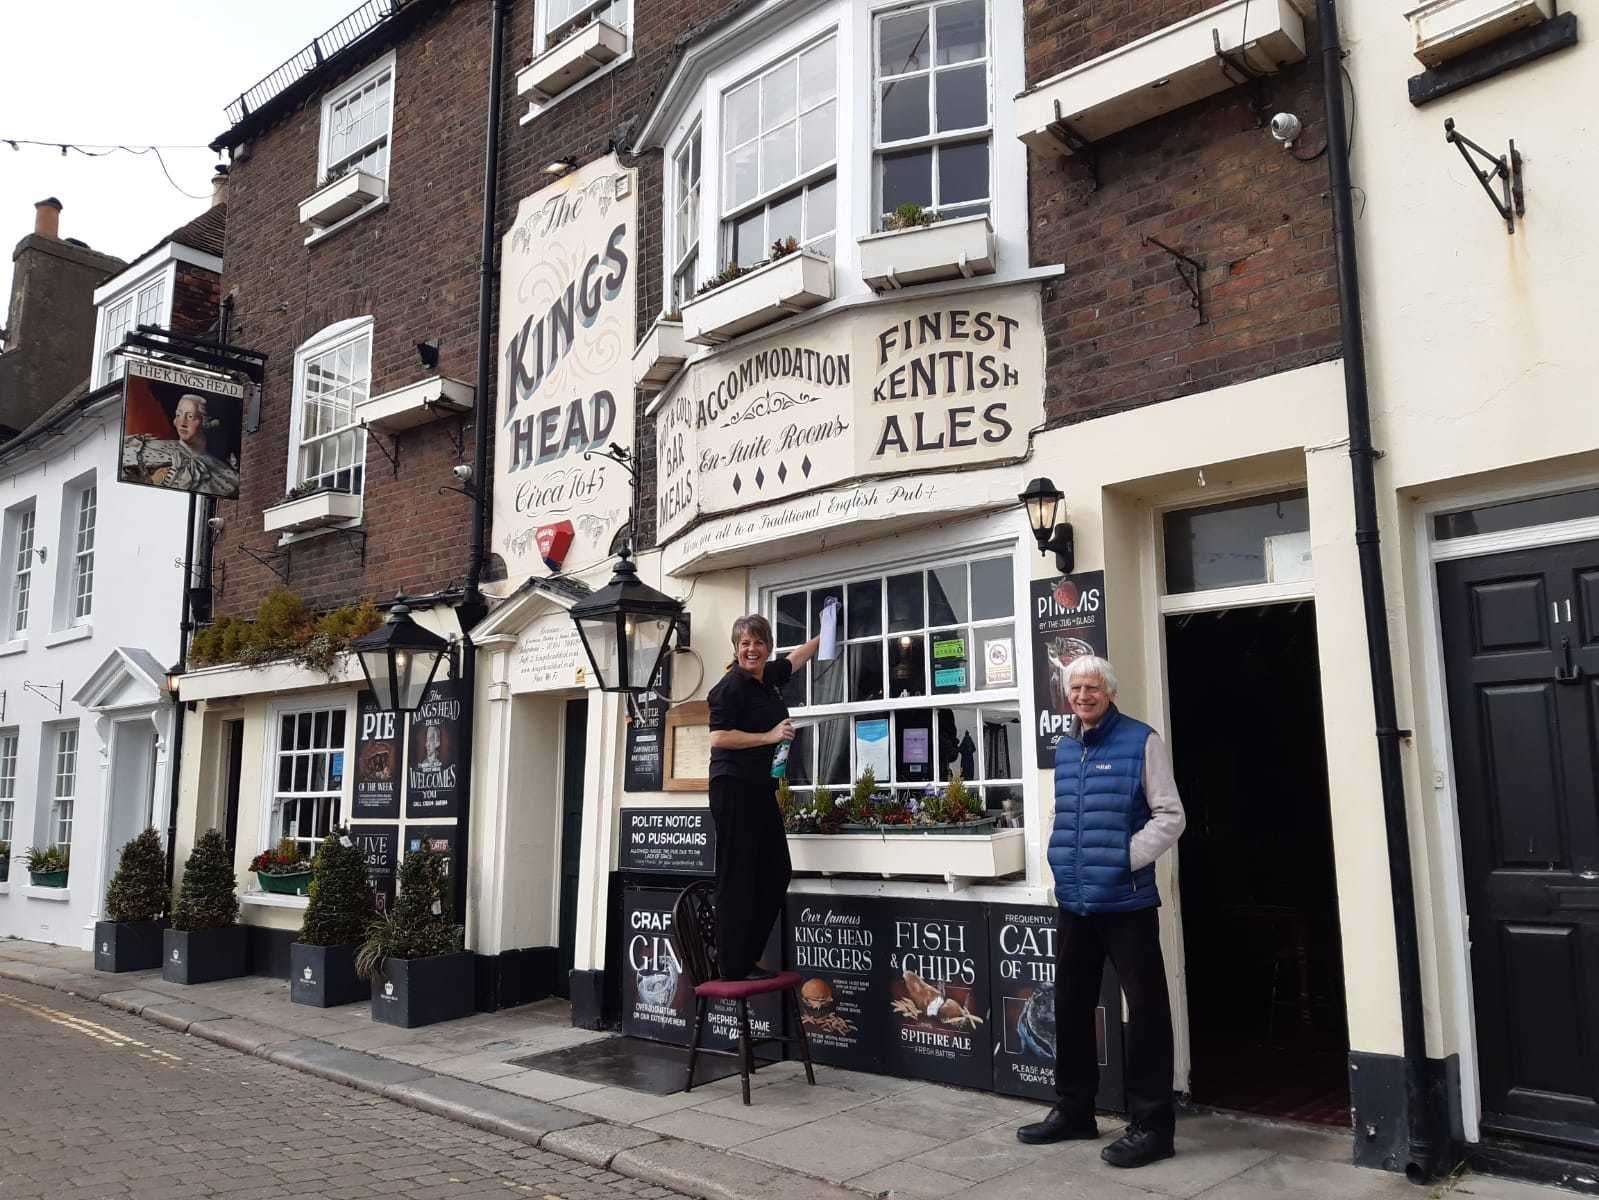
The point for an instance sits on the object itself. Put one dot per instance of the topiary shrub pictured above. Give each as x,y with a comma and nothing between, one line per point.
207,899
341,899
420,924
138,890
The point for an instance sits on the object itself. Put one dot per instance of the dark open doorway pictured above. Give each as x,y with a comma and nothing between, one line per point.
1264,968
575,736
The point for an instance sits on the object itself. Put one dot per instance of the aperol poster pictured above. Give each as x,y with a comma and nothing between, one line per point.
1068,620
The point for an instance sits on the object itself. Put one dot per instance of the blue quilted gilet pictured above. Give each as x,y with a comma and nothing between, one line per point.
1099,805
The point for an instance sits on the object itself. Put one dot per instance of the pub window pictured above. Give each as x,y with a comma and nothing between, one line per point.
1264,539
64,787
308,783
8,782
120,316
685,220
357,125
19,554
81,594
333,375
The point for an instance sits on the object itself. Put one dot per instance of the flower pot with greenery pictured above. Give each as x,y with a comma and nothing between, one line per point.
48,865
957,809
412,953
129,939
284,870
5,862
322,958
206,942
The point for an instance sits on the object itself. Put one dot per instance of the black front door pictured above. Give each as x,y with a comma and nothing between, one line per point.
1521,651
235,744
575,738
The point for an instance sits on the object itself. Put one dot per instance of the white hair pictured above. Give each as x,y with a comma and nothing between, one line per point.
1092,664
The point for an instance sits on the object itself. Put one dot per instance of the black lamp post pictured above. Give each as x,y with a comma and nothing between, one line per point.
1042,499
626,629
399,660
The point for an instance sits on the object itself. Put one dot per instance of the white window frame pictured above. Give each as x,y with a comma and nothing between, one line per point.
541,44
334,97
333,337
10,743
63,767
21,569
685,205
80,594
271,825
148,300
601,10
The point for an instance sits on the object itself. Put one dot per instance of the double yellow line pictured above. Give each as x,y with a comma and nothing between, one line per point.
90,1029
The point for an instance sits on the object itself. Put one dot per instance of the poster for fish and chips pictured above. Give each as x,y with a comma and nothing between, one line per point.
937,975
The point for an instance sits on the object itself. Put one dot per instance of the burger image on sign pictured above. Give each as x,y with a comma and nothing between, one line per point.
816,998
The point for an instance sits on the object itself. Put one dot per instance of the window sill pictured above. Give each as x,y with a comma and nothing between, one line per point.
958,249
268,900
320,235
948,855
660,356
341,199
76,634
582,55
1446,29
769,293
313,512
14,646
59,895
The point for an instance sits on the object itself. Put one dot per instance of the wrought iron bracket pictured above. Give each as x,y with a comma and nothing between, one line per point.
41,690
471,493
352,535
1190,270
1511,201
1235,65
1081,147
458,437
270,559
390,452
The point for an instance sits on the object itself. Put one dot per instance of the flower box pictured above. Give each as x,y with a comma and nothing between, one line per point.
950,855
1446,29
897,258
344,197
324,976
982,825
423,991
128,945
50,879
312,512
573,59
782,287
296,884
415,404
204,955
660,356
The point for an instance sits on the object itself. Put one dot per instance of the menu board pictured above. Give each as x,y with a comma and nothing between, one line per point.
644,765
836,943
681,841
433,768
934,962
1068,621
377,762
380,846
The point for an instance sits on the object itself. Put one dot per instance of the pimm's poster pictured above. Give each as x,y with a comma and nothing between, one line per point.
1068,621
377,762
433,769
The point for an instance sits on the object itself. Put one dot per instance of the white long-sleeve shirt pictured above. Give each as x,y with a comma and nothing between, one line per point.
1166,817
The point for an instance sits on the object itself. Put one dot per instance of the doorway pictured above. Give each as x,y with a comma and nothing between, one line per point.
234,740
1521,664
574,739
1264,967
131,797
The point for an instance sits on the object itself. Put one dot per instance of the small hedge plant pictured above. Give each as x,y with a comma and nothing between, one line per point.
420,924
341,899
284,629
138,890
207,899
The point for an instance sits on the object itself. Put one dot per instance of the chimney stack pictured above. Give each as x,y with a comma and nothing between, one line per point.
47,218
219,185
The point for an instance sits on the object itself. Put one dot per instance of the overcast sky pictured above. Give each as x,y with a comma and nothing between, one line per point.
156,72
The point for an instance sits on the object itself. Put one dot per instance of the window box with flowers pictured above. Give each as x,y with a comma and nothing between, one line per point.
48,866
788,283
283,870
917,249
661,354
343,195
573,58
311,508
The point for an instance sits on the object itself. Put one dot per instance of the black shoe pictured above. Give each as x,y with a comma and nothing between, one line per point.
1138,1147
1058,1127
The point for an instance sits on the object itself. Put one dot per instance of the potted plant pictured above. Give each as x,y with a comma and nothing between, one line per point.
129,939
48,865
205,941
412,954
322,958
5,862
283,870
956,809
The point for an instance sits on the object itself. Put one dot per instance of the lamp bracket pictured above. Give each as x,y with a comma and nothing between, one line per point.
1063,544
390,452
620,455
269,560
41,689
471,493
1190,270
1512,200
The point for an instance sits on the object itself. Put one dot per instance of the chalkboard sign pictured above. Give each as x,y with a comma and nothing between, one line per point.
432,771
680,841
646,738
836,943
377,762
380,846
935,964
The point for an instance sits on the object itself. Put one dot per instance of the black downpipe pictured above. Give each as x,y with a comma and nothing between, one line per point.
1422,1159
471,609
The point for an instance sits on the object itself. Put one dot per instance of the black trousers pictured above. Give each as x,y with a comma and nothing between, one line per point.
1132,943
752,870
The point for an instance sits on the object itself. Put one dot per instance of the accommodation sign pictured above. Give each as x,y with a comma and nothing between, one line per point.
567,327
902,388
1068,621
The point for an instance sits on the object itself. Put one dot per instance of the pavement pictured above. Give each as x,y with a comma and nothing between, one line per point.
852,1135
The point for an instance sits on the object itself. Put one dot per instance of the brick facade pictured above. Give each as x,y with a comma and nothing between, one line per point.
196,293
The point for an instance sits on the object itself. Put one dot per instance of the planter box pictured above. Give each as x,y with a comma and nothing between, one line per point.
961,248
575,58
947,855
5,870
423,991
298,884
985,825
1446,29
128,945
415,404
204,955
787,285
52,879
324,976
312,512
660,356
344,197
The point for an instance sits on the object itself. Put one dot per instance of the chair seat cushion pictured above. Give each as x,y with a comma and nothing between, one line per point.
743,989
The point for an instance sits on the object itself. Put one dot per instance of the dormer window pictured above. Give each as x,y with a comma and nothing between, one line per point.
144,303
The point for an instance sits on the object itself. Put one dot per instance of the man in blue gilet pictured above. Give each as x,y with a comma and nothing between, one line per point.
1116,812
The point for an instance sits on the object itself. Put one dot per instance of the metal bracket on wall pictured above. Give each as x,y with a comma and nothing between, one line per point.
40,690
1081,147
351,535
2,707
390,452
1184,266
1236,67
270,559
458,438
1512,202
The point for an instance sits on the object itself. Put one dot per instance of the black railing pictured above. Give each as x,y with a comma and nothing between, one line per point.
351,29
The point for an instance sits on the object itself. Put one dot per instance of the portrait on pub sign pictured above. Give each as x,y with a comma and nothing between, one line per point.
181,430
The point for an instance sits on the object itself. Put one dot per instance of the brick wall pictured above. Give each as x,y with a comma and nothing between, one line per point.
413,267
195,296
1206,180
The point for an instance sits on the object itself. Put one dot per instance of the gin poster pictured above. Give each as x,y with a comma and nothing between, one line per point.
432,769
1068,621
377,762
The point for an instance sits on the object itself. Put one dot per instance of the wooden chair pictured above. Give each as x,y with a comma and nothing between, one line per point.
694,940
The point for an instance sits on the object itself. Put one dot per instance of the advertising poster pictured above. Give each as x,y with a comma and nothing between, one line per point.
935,971
380,846
1068,620
377,762
1022,957
568,277
440,839
181,429
680,841
432,769
646,737
872,747
836,943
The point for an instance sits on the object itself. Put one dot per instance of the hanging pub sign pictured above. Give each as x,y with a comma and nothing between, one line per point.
377,762
837,944
379,845
1068,621
937,984
180,429
567,326
433,766
646,736
677,841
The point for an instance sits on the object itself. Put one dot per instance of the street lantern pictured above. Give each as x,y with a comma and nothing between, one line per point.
1042,499
399,659
626,629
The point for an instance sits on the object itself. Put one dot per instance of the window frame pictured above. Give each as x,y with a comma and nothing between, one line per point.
330,338
345,91
544,31
21,568
79,595
10,751
161,280
60,814
684,269
270,821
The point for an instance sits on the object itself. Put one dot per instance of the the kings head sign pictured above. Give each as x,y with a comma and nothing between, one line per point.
567,325
942,382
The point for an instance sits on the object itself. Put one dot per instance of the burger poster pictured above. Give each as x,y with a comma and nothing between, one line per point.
936,978
1068,616
836,943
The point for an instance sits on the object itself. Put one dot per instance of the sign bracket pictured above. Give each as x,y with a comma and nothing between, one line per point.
41,689
269,560
390,452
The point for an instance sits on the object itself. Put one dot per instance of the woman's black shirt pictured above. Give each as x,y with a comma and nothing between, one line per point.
742,702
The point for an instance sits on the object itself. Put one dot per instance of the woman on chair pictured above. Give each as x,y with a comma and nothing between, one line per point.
749,720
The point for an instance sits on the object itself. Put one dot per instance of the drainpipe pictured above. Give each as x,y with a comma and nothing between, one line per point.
471,609
1421,1160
